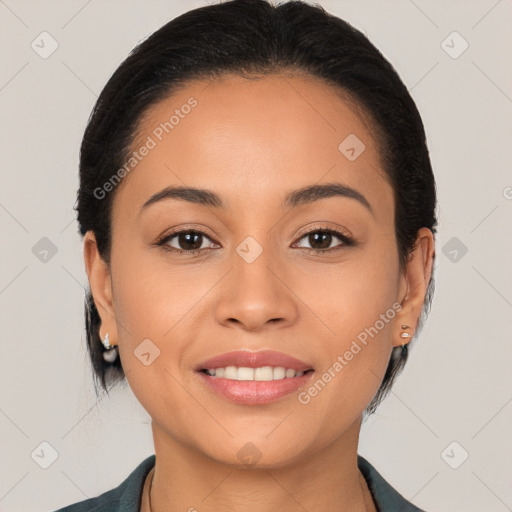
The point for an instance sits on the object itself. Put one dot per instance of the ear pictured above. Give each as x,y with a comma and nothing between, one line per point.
414,285
100,283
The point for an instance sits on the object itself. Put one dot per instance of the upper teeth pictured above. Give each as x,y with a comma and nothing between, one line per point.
263,373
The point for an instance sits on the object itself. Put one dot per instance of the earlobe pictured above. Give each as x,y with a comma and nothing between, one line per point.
417,276
100,283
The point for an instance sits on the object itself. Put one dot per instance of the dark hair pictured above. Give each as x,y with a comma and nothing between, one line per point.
254,37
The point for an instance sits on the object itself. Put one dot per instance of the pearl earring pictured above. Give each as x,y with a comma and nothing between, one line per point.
111,352
404,334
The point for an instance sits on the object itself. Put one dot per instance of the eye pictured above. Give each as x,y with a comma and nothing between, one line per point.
322,240
186,242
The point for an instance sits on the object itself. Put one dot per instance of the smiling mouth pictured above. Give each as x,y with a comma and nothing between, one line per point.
260,374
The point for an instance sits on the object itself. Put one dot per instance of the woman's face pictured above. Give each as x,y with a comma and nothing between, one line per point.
312,275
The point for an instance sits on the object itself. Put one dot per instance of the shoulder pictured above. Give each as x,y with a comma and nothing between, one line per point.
126,497
385,496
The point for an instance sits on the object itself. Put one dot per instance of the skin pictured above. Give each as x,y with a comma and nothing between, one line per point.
251,152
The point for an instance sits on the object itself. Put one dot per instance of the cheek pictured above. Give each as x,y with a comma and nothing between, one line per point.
161,302
350,296
153,305
151,295
357,303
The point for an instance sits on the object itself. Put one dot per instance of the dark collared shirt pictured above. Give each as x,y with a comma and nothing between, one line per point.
127,496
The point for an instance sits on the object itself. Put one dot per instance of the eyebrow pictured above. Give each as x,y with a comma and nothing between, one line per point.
293,199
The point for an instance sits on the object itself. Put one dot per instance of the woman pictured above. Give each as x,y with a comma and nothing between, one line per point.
258,212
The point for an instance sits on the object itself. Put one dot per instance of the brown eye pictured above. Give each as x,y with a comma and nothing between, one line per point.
322,240
190,241
186,242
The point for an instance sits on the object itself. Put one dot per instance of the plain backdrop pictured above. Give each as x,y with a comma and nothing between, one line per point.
442,438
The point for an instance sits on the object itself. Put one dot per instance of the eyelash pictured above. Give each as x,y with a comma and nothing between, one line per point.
346,240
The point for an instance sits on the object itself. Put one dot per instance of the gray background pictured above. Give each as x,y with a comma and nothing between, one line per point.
457,386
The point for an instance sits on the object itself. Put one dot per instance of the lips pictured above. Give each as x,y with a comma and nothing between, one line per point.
248,359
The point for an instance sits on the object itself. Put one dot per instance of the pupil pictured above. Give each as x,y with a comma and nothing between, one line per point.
324,238
185,239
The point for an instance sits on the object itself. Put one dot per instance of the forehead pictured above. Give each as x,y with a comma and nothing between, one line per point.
253,140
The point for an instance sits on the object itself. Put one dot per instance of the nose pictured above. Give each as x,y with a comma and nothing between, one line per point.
256,295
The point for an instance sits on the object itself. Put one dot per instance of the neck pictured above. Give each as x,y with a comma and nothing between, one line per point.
185,479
